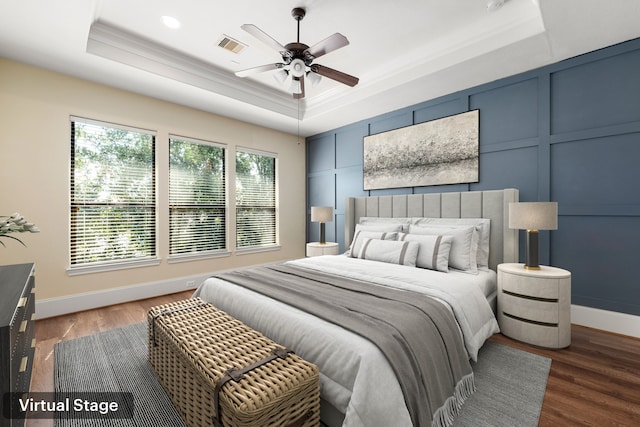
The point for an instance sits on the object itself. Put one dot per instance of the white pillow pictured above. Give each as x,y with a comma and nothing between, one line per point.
360,235
379,226
464,246
434,250
374,220
394,252
483,227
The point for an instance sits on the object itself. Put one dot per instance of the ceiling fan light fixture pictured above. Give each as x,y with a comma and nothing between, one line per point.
281,75
298,68
313,78
296,87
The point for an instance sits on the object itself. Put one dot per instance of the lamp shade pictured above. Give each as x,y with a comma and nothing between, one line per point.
321,213
533,215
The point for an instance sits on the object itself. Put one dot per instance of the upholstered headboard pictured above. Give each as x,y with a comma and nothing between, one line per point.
492,204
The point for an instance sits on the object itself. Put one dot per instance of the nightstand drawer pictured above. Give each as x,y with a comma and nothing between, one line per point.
318,249
532,333
530,309
531,286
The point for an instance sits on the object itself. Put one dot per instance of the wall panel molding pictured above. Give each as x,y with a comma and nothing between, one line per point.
568,132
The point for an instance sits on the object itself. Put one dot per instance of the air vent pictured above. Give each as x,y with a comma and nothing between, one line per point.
232,45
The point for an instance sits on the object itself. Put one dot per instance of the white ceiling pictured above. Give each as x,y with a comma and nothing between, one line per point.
403,51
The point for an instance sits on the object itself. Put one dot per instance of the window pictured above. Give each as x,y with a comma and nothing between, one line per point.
113,201
197,199
255,199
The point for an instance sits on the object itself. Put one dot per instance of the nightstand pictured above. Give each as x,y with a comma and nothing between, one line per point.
534,306
317,248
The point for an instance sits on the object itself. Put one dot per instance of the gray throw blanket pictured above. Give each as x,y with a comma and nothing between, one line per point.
418,335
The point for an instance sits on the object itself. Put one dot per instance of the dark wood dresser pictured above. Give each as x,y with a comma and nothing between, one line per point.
17,328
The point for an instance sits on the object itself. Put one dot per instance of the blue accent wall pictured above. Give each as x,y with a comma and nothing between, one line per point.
568,132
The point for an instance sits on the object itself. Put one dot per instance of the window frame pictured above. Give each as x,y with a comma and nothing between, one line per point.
275,245
214,253
113,263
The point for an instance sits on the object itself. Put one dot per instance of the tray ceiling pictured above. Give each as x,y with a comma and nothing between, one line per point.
404,52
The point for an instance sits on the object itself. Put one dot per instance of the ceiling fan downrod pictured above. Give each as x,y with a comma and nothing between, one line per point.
298,13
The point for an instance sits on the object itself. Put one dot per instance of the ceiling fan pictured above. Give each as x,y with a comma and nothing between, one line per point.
297,58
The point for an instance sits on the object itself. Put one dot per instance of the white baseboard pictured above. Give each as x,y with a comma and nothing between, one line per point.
51,307
611,321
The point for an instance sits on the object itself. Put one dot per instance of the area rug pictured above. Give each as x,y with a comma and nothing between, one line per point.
510,383
510,386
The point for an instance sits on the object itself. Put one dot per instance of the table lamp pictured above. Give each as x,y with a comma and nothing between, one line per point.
321,214
533,216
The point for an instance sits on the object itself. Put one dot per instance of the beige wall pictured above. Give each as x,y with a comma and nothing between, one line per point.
35,106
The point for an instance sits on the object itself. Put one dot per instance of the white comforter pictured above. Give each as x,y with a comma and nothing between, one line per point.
355,376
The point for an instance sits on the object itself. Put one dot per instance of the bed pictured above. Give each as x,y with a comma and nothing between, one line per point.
360,383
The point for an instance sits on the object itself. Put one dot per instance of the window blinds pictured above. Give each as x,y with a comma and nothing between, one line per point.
255,199
197,198
113,199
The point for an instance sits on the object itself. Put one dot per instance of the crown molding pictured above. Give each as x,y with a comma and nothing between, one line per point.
116,44
434,57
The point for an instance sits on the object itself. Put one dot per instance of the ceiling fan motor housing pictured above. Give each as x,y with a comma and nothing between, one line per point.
297,50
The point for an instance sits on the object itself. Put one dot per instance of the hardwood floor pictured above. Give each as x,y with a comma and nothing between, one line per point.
594,382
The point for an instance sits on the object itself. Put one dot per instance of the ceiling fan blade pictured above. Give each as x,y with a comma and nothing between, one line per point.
301,94
260,69
263,37
331,43
336,75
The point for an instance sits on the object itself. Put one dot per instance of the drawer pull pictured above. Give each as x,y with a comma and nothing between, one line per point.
530,297
535,322
23,363
23,326
22,302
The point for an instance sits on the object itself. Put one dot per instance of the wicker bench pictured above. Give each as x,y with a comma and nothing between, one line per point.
219,372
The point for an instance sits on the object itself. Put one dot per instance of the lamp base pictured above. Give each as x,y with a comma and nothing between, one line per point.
531,251
322,234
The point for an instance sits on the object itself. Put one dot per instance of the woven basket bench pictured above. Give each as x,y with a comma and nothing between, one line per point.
220,372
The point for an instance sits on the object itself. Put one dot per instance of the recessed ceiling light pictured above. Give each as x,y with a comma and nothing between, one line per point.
170,22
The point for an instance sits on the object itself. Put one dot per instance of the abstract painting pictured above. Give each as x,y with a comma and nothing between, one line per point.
437,152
